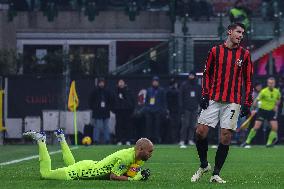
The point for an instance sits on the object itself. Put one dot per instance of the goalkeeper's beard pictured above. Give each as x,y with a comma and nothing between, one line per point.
144,158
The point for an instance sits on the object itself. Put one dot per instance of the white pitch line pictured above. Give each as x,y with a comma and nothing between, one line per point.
32,157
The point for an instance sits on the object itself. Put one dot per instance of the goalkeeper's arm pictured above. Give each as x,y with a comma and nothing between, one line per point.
141,175
119,178
137,177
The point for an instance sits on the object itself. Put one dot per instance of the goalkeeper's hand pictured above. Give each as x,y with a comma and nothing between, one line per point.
145,173
141,175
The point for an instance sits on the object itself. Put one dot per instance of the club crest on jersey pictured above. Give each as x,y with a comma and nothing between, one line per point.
239,62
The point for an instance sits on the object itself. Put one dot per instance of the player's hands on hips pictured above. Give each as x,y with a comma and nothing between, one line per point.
204,102
245,110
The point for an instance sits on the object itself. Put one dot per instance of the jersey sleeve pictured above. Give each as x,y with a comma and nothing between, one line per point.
119,168
206,82
247,76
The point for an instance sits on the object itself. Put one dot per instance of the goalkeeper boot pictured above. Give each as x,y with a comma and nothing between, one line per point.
200,172
59,135
35,135
217,179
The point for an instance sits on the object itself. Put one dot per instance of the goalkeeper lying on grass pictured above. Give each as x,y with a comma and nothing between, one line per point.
117,166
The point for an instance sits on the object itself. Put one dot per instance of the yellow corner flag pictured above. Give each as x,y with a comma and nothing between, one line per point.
246,124
73,100
73,103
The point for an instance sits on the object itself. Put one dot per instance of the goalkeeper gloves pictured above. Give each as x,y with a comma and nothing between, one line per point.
141,175
145,173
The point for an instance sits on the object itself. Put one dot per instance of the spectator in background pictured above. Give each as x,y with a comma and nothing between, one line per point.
155,110
271,7
101,102
123,109
240,13
173,103
190,93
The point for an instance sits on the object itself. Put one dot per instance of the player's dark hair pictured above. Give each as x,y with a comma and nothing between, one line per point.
235,25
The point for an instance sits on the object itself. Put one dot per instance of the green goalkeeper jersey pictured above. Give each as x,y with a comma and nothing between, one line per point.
116,163
268,98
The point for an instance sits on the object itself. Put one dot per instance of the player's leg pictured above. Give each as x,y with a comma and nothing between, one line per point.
208,117
260,117
253,131
229,114
45,165
44,158
202,148
221,154
272,138
67,155
202,144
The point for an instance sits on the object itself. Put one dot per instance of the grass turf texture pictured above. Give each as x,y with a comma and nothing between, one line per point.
170,166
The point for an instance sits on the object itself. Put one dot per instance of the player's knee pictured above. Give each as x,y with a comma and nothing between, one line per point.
256,127
226,138
200,133
44,174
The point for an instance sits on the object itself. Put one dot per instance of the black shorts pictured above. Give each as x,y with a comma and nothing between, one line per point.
265,115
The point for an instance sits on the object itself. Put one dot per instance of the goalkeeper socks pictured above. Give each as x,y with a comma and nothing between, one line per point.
67,155
202,148
220,158
251,135
44,158
271,137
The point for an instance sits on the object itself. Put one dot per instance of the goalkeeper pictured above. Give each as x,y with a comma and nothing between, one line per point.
112,167
268,100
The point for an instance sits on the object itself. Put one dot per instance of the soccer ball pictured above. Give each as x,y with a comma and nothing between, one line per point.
86,140
133,170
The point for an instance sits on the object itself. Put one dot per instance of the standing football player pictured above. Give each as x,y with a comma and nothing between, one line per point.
228,69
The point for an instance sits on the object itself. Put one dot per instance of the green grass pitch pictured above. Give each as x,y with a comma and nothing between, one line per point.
170,166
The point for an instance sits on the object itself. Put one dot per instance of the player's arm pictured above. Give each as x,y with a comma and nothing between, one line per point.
207,73
119,178
118,171
141,175
247,76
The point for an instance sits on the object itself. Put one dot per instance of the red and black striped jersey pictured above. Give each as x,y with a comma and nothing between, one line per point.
226,72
